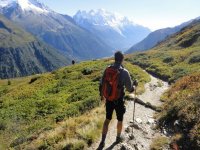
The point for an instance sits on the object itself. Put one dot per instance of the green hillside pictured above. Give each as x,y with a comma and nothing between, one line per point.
177,60
22,54
182,103
176,57
56,110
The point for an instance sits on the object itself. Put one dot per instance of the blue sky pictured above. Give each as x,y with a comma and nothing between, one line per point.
154,14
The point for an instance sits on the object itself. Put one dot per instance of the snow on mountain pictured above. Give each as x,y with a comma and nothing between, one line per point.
101,17
114,29
26,5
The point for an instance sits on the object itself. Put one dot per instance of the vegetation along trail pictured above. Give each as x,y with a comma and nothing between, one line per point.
144,132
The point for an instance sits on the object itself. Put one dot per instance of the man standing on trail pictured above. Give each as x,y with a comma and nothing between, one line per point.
112,88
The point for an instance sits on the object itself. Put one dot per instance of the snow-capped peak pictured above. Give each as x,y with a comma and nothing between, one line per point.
103,17
26,5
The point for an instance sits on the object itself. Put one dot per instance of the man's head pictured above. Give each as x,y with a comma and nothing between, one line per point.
119,57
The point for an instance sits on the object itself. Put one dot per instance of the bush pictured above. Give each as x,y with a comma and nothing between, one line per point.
72,110
194,59
9,82
87,71
78,145
45,107
178,72
2,126
34,79
59,118
18,141
159,143
44,146
168,59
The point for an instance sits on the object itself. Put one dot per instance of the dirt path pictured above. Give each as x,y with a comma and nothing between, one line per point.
140,139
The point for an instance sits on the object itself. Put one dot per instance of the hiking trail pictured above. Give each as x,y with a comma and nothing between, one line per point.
142,137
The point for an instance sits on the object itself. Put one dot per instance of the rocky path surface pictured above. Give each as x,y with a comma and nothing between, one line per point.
137,138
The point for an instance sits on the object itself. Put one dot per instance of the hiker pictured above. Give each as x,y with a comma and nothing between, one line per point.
73,62
115,95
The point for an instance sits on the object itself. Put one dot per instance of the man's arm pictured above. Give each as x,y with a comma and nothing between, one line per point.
128,81
101,84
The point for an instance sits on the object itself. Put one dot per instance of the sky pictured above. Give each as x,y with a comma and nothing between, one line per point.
154,14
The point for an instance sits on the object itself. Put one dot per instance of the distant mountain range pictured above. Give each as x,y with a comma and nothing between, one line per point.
157,36
174,57
115,30
22,54
57,30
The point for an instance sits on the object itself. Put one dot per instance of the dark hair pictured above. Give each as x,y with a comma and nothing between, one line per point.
119,56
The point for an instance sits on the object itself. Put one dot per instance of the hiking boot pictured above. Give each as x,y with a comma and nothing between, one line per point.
101,146
119,139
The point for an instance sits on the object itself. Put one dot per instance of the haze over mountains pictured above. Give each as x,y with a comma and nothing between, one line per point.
115,30
157,36
57,30
88,35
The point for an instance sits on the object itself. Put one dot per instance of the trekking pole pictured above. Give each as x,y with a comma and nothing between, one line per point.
134,108
134,105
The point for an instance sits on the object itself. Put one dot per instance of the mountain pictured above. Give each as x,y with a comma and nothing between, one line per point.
175,57
157,36
22,54
57,30
115,30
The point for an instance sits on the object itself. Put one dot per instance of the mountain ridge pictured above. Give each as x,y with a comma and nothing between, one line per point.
21,54
157,36
114,29
57,30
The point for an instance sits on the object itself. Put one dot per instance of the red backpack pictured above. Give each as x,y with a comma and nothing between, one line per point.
111,89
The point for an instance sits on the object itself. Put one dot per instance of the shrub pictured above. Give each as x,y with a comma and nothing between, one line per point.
87,71
194,59
18,141
44,146
77,145
2,126
72,110
34,79
178,72
168,59
159,143
9,82
59,118
45,107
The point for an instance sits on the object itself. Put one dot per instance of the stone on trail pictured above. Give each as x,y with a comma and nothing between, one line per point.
150,121
136,126
138,120
128,129
125,146
131,137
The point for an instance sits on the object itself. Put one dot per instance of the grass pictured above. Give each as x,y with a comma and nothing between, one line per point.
173,58
56,109
182,103
152,62
177,61
159,143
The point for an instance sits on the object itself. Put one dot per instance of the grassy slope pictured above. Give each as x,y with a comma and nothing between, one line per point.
22,54
182,103
29,109
177,57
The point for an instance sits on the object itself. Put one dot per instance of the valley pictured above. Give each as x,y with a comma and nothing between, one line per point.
51,64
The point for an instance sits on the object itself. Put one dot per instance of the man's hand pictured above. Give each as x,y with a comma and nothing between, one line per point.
135,83
103,99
